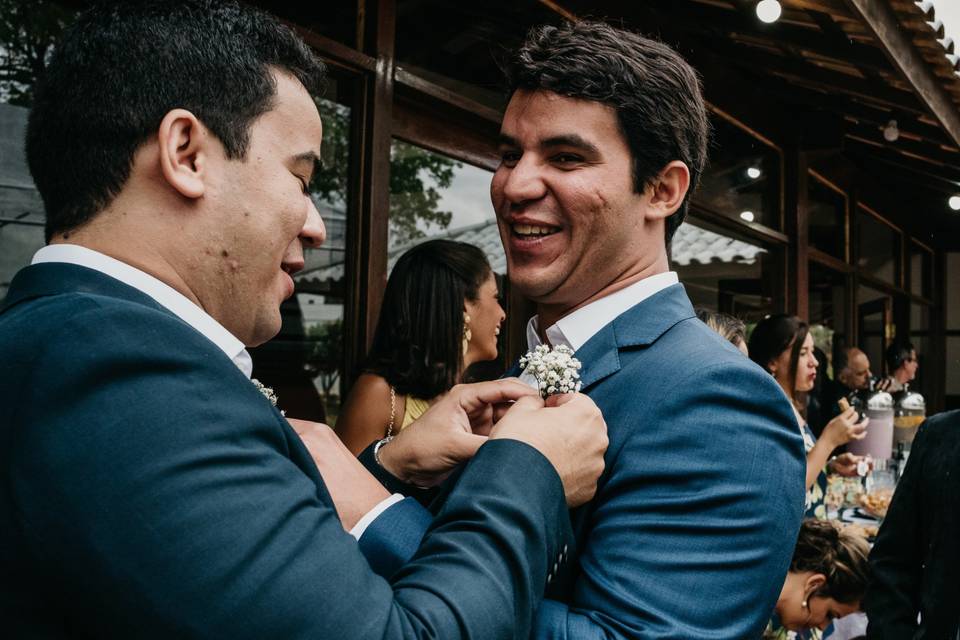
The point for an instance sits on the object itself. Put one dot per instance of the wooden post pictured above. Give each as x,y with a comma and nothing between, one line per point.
367,236
796,220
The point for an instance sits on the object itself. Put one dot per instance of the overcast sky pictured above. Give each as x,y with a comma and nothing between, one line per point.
949,12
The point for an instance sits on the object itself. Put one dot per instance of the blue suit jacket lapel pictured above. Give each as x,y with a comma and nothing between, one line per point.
638,326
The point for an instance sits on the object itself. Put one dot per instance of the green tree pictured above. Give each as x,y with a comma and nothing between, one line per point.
324,351
416,177
29,29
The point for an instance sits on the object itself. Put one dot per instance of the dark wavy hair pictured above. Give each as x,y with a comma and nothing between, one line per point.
122,66
772,336
418,344
656,94
897,353
838,554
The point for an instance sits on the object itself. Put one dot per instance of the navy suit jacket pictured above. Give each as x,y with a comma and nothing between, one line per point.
148,490
696,516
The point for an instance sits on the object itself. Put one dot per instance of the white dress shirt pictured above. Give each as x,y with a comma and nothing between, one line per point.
576,328
183,308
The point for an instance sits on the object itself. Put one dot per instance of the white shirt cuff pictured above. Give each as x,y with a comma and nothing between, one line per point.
373,514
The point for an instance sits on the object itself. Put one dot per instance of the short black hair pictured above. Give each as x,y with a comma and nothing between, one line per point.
122,66
417,346
655,92
897,353
772,336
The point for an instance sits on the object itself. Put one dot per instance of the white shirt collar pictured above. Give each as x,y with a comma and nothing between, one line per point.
176,302
576,328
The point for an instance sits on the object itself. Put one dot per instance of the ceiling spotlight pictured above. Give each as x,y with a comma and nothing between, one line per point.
769,10
748,215
890,132
954,203
753,172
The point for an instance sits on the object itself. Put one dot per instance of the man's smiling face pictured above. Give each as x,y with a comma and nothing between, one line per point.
570,220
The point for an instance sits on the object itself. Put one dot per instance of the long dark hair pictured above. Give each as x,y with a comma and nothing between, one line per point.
417,347
772,336
840,555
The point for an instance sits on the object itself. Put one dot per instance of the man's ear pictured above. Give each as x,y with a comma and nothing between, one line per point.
183,144
669,189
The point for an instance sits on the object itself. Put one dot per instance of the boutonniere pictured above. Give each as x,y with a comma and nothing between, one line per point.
555,369
267,393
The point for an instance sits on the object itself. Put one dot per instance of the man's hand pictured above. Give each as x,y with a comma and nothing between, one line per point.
569,431
353,489
450,432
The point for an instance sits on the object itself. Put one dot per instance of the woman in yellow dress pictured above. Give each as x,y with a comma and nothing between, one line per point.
440,314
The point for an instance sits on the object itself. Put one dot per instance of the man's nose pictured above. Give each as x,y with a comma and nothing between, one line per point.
314,233
524,181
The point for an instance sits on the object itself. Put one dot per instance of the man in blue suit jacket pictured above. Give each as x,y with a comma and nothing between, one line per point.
694,522
149,489
695,518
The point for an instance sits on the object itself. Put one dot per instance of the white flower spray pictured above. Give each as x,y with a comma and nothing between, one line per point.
556,370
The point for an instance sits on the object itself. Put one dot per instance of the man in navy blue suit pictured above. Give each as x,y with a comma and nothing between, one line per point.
695,518
149,489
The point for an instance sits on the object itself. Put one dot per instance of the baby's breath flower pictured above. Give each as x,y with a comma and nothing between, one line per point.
267,392
556,370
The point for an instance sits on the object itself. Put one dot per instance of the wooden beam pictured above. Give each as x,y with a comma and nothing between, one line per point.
882,20
367,234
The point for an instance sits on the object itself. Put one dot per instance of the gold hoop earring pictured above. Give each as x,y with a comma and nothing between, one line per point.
467,334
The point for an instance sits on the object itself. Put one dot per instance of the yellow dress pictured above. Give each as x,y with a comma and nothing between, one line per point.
413,409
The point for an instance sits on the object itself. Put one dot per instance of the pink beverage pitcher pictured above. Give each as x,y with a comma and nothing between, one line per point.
879,440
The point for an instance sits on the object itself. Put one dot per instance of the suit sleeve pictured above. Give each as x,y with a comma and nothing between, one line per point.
164,497
896,561
692,531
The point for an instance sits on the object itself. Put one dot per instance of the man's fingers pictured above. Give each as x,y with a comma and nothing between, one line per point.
559,399
474,396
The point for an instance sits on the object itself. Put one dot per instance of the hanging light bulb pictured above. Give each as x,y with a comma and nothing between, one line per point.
954,203
753,172
769,10
890,132
747,215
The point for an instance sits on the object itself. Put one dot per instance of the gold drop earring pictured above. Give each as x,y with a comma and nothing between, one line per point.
466,332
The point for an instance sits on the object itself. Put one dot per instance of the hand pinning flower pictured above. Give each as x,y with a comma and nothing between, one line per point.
556,370
267,393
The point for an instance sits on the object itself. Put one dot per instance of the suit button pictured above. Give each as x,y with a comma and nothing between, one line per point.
555,567
564,550
549,578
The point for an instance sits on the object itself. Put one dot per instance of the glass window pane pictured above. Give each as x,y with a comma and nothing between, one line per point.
827,309
723,273
921,270
26,41
920,338
879,248
742,180
827,214
953,293
435,196
873,309
953,366
304,362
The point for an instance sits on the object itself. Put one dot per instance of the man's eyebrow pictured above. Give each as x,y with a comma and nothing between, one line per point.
570,140
564,140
